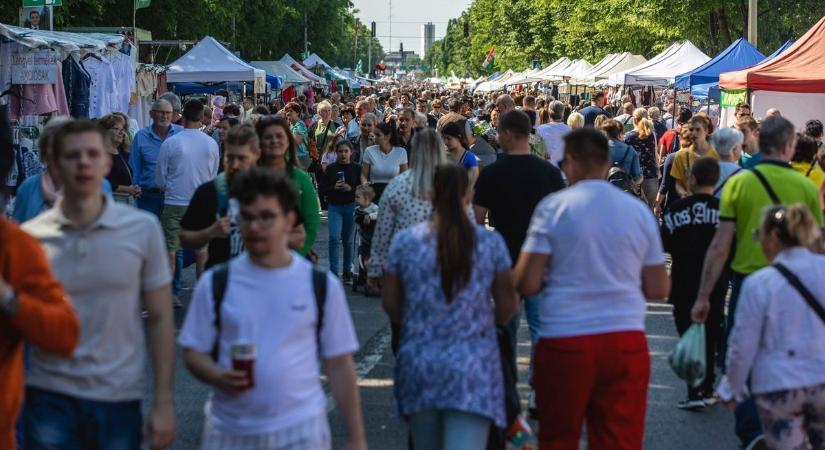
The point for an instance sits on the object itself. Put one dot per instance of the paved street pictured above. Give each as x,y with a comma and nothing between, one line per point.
666,428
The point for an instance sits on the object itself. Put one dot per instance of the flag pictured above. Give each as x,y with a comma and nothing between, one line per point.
490,59
359,68
142,4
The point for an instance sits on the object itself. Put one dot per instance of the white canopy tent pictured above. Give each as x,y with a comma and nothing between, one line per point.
290,77
523,78
578,68
679,58
315,60
610,64
553,71
306,73
209,61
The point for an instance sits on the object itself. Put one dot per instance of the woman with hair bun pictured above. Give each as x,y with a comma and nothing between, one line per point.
643,139
777,346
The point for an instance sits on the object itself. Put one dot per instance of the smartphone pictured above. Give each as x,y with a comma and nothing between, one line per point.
341,176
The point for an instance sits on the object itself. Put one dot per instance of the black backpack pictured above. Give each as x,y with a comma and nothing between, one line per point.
619,177
220,278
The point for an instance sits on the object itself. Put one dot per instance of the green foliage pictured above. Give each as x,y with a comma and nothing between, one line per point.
524,30
259,29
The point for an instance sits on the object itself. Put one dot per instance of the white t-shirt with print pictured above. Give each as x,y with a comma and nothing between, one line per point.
384,167
600,238
274,309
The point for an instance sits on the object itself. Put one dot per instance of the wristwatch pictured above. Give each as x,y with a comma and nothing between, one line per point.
10,303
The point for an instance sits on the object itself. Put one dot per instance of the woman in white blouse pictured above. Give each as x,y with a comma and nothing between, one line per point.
778,339
382,162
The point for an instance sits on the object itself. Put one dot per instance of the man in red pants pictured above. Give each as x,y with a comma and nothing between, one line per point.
591,258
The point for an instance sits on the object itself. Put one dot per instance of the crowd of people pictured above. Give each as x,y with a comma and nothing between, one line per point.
437,202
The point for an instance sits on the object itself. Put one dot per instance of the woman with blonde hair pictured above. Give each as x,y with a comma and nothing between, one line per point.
643,140
777,346
117,143
575,121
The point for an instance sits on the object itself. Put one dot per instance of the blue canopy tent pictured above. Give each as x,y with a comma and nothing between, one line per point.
780,50
739,55
212,88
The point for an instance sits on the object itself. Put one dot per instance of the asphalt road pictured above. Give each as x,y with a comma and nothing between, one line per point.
667,427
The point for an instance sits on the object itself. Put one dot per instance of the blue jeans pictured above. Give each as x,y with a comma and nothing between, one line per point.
341,231
449,430
748,425
55,420
531,310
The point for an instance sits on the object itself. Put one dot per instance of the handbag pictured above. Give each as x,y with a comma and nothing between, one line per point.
497,438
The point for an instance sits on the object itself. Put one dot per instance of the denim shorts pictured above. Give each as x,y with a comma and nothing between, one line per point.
53,420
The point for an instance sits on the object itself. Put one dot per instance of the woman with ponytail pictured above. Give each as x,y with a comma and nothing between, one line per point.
643,139
439,278
777,346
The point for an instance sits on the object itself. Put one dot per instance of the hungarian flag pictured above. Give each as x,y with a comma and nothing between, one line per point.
490,59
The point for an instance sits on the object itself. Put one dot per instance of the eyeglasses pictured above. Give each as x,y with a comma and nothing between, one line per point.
265,219
164,113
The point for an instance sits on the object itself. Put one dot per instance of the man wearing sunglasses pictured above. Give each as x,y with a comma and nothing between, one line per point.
144,155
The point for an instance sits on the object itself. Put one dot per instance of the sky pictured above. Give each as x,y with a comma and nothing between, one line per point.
407,18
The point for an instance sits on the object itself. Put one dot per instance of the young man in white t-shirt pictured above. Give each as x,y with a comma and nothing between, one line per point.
591,257
269,301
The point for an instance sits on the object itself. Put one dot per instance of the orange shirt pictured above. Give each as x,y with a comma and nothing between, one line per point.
45,318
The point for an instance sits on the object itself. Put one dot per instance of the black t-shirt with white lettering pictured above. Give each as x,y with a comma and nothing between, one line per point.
510,188
688,226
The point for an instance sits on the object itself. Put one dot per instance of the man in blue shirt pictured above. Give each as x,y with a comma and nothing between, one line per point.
591,112
144,155
750,146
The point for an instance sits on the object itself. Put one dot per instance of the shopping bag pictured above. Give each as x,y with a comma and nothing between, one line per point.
688,358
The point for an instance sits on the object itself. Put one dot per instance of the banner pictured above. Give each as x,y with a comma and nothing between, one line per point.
490,59
142,3
34,67
732,97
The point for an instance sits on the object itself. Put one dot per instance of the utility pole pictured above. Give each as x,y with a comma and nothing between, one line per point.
306,44
752,18
355,49
369,52
389,45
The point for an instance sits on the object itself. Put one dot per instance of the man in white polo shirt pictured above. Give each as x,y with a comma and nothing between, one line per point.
185,161
591,257
270,304
111,261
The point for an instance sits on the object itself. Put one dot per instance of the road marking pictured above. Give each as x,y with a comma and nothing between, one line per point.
367,358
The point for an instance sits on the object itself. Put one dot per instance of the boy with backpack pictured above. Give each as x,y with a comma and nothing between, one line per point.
258,329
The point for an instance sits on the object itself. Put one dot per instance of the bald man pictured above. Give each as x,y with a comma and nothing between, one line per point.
773,112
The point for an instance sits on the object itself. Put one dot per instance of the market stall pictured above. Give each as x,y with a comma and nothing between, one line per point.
662,70
210,62
700,81
794,81
317,81
610,64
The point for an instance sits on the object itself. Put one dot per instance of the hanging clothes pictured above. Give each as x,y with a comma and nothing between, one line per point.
103,91
38,99
76,82
288,94
124,71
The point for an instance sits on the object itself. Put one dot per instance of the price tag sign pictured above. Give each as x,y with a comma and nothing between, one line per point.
35,67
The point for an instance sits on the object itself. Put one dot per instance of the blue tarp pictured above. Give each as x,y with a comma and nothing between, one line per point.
211,88
780,50
737,56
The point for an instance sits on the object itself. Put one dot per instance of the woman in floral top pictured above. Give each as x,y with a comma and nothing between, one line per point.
448,378
643,140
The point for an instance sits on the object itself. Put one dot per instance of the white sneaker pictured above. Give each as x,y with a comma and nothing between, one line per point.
691,405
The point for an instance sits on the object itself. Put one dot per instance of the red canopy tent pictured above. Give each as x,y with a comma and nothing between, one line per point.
795,80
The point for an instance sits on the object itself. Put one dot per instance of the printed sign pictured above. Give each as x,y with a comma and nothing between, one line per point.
37,67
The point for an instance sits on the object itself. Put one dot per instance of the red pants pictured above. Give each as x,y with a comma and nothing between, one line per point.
601,378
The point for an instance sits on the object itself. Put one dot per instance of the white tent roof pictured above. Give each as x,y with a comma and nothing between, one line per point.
282,70
209,61
577,69
315,60
610,64
679,58
528,76
552,72
298,67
